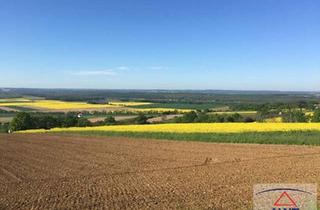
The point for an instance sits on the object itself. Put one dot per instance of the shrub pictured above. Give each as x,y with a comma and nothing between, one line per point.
248,119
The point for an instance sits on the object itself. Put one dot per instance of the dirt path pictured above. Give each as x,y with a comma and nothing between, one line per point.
63,172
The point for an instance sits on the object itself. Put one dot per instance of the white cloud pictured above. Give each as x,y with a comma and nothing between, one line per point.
116,70
108,72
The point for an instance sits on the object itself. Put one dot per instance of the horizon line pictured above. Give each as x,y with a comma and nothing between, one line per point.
162,89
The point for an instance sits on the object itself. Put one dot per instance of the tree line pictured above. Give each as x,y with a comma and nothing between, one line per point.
291,116
26,121
203,116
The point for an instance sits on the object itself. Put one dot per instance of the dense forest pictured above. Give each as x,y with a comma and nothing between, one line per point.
166,96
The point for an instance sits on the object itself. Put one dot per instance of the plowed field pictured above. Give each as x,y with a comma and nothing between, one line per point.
39,171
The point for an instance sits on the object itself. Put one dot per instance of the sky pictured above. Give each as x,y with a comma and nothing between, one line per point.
161,44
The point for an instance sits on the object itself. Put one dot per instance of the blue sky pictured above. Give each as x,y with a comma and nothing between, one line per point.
160,44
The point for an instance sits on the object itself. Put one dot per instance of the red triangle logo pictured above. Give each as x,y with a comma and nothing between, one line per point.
285,200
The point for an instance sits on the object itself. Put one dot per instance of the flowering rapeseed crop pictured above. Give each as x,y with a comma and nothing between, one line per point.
55,104
195,128
65,105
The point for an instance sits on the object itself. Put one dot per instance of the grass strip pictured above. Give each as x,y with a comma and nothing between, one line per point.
287,137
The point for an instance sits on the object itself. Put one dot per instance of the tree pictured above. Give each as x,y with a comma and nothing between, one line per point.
294,116
189,117
237,117
302,105
83,122
45,121
202,117
110,120
248,120
230,118
262,115
22,121
316,116
69,120
141,119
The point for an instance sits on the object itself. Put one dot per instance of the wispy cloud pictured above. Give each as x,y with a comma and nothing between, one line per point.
116,70
122,68
108,72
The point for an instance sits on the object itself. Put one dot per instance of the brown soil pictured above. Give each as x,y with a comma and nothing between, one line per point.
117,118
163,118
9,109
72,172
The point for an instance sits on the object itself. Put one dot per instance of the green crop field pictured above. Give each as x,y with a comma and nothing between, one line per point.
290,137
179,106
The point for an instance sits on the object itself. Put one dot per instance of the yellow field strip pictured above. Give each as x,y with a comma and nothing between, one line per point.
54,104
64,105
195,128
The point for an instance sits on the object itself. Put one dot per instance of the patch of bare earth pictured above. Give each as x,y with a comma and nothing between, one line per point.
9,109
163,118
72,172
117,118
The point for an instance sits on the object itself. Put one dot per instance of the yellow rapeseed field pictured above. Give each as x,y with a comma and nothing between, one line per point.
274,120
65,105
195,128
55,104
309,114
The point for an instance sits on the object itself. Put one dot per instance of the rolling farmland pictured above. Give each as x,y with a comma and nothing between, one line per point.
57,105
114,160
39,171
147,105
